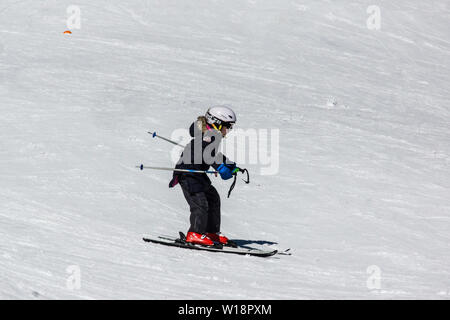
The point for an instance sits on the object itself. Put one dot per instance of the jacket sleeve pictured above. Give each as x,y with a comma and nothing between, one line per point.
225,161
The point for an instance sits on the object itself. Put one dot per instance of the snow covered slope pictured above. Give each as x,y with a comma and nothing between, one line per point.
362,192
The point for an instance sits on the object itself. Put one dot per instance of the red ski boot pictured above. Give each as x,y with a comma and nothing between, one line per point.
217,237
197,238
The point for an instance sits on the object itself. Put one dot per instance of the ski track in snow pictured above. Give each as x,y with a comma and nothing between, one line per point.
364,175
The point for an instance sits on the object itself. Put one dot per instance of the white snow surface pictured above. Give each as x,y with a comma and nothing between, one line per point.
364,175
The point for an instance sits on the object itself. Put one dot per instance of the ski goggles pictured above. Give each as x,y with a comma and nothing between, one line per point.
228,125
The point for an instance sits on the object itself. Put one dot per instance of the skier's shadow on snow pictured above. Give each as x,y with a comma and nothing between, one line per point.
244,243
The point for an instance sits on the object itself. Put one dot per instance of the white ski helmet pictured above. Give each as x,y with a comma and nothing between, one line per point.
221,116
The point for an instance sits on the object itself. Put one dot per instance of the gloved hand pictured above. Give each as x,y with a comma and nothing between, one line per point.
227,171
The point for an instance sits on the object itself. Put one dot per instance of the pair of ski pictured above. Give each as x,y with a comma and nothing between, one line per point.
230,248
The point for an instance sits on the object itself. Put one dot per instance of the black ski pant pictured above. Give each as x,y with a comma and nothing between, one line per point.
205,209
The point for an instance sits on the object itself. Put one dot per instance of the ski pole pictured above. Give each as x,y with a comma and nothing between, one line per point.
142,167
168,140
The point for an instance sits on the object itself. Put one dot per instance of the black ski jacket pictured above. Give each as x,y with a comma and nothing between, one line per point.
196,182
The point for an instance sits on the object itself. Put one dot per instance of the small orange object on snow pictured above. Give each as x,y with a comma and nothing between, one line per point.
68,32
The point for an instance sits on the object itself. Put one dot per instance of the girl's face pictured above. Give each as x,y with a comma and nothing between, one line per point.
224,131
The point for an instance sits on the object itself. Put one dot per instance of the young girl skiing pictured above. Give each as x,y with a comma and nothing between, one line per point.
203,199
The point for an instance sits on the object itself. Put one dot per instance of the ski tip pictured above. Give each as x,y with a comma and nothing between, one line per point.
286,252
